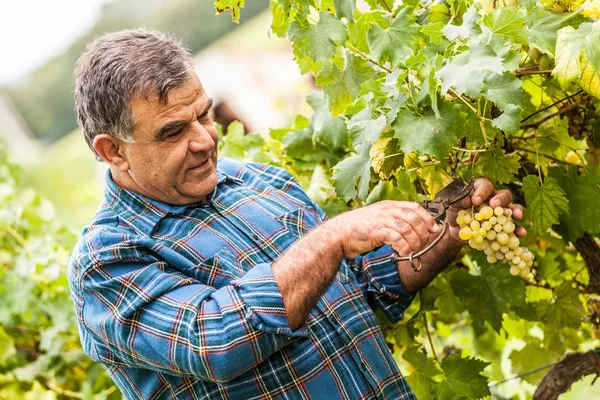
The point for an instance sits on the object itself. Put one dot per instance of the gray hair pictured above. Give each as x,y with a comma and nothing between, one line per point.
120,66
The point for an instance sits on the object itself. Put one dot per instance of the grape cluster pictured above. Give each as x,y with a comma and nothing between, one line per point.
584,123
492,231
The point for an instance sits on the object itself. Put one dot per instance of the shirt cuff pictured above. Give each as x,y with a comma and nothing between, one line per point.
384,281
264,303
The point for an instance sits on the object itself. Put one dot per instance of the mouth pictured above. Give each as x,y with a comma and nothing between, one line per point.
200,166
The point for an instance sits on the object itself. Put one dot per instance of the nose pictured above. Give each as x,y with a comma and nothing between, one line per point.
202,140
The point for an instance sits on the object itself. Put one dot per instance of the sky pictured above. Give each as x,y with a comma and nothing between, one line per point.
32,32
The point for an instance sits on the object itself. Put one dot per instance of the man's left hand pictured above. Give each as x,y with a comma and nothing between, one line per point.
484,191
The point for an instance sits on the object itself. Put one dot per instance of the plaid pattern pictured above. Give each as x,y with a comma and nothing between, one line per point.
179,302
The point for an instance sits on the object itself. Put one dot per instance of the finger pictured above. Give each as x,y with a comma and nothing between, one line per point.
427,219
407,232
482,190
501,198
393,238
416,223
520,231
517,210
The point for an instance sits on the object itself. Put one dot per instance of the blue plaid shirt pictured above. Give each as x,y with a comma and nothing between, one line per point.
179,302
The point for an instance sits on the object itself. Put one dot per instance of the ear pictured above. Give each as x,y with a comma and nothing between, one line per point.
110,149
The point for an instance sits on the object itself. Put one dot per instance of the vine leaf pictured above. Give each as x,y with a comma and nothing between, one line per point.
578,57
318,41
365,130
357,30
545,202
543,26
510,119
342,85
327,129
344,8
351,170
462,377
469,27
529,358
565,311
434,31
420,381
428,134
498,166
503,90
507,22
467,71
233,5
396,43
579,189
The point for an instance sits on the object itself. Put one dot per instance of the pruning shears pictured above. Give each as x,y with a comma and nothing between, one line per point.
449,195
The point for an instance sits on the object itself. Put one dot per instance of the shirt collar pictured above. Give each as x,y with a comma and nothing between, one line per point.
144,213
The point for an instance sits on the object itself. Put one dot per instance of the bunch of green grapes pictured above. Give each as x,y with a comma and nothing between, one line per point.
492,231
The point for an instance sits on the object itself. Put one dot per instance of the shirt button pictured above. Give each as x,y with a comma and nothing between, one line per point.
254,236
363,365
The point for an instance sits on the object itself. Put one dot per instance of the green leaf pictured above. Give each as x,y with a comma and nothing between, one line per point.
474,292
498,166
342,86
420,380
428,134
530,358
7,346
396,43
353,169
503,90
318,41
365,130
509,23
579,189
357,30
462,377
545,203
578,57
233,5
434,31
510,120
565,311
543,26
344,8
467,71
327,129
283,14
468,29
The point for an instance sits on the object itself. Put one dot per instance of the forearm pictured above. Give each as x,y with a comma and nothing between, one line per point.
434,261
305,271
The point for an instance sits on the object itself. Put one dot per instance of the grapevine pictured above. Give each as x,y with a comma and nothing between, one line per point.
418,93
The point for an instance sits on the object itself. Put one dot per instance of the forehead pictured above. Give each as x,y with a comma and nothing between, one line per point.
150,110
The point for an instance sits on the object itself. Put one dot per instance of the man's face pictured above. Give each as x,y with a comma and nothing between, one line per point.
174,157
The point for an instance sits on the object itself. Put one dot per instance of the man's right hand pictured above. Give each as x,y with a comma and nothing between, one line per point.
403,225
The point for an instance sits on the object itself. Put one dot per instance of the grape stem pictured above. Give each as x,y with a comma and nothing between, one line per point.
365,57
532,70
429,336
552,105
386,6
562,110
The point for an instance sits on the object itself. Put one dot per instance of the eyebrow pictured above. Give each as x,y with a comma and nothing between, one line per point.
169,126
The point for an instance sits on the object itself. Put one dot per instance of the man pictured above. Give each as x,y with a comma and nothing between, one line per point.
210,279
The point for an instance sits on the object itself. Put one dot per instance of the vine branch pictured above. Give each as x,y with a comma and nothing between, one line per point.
562,110
551,105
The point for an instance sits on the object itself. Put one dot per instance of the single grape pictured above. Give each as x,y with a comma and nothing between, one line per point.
493,220
498,228
495,246
488,251
478,216
507,212
465,233
499,255
509,255
486,225
522,264
526,256
487,212
460,220
502,238
513,242
475,225
518,251
514,270
502,219
499,211
516,260
509,227
467,219
492,259
478,240
491,235
504,249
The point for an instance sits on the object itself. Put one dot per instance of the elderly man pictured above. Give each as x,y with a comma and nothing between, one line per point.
210,279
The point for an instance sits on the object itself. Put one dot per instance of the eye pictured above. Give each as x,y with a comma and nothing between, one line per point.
174,134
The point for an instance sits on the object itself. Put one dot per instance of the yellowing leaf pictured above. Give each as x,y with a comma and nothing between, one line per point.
578,57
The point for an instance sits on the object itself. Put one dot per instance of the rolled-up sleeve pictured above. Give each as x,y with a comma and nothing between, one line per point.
149,315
